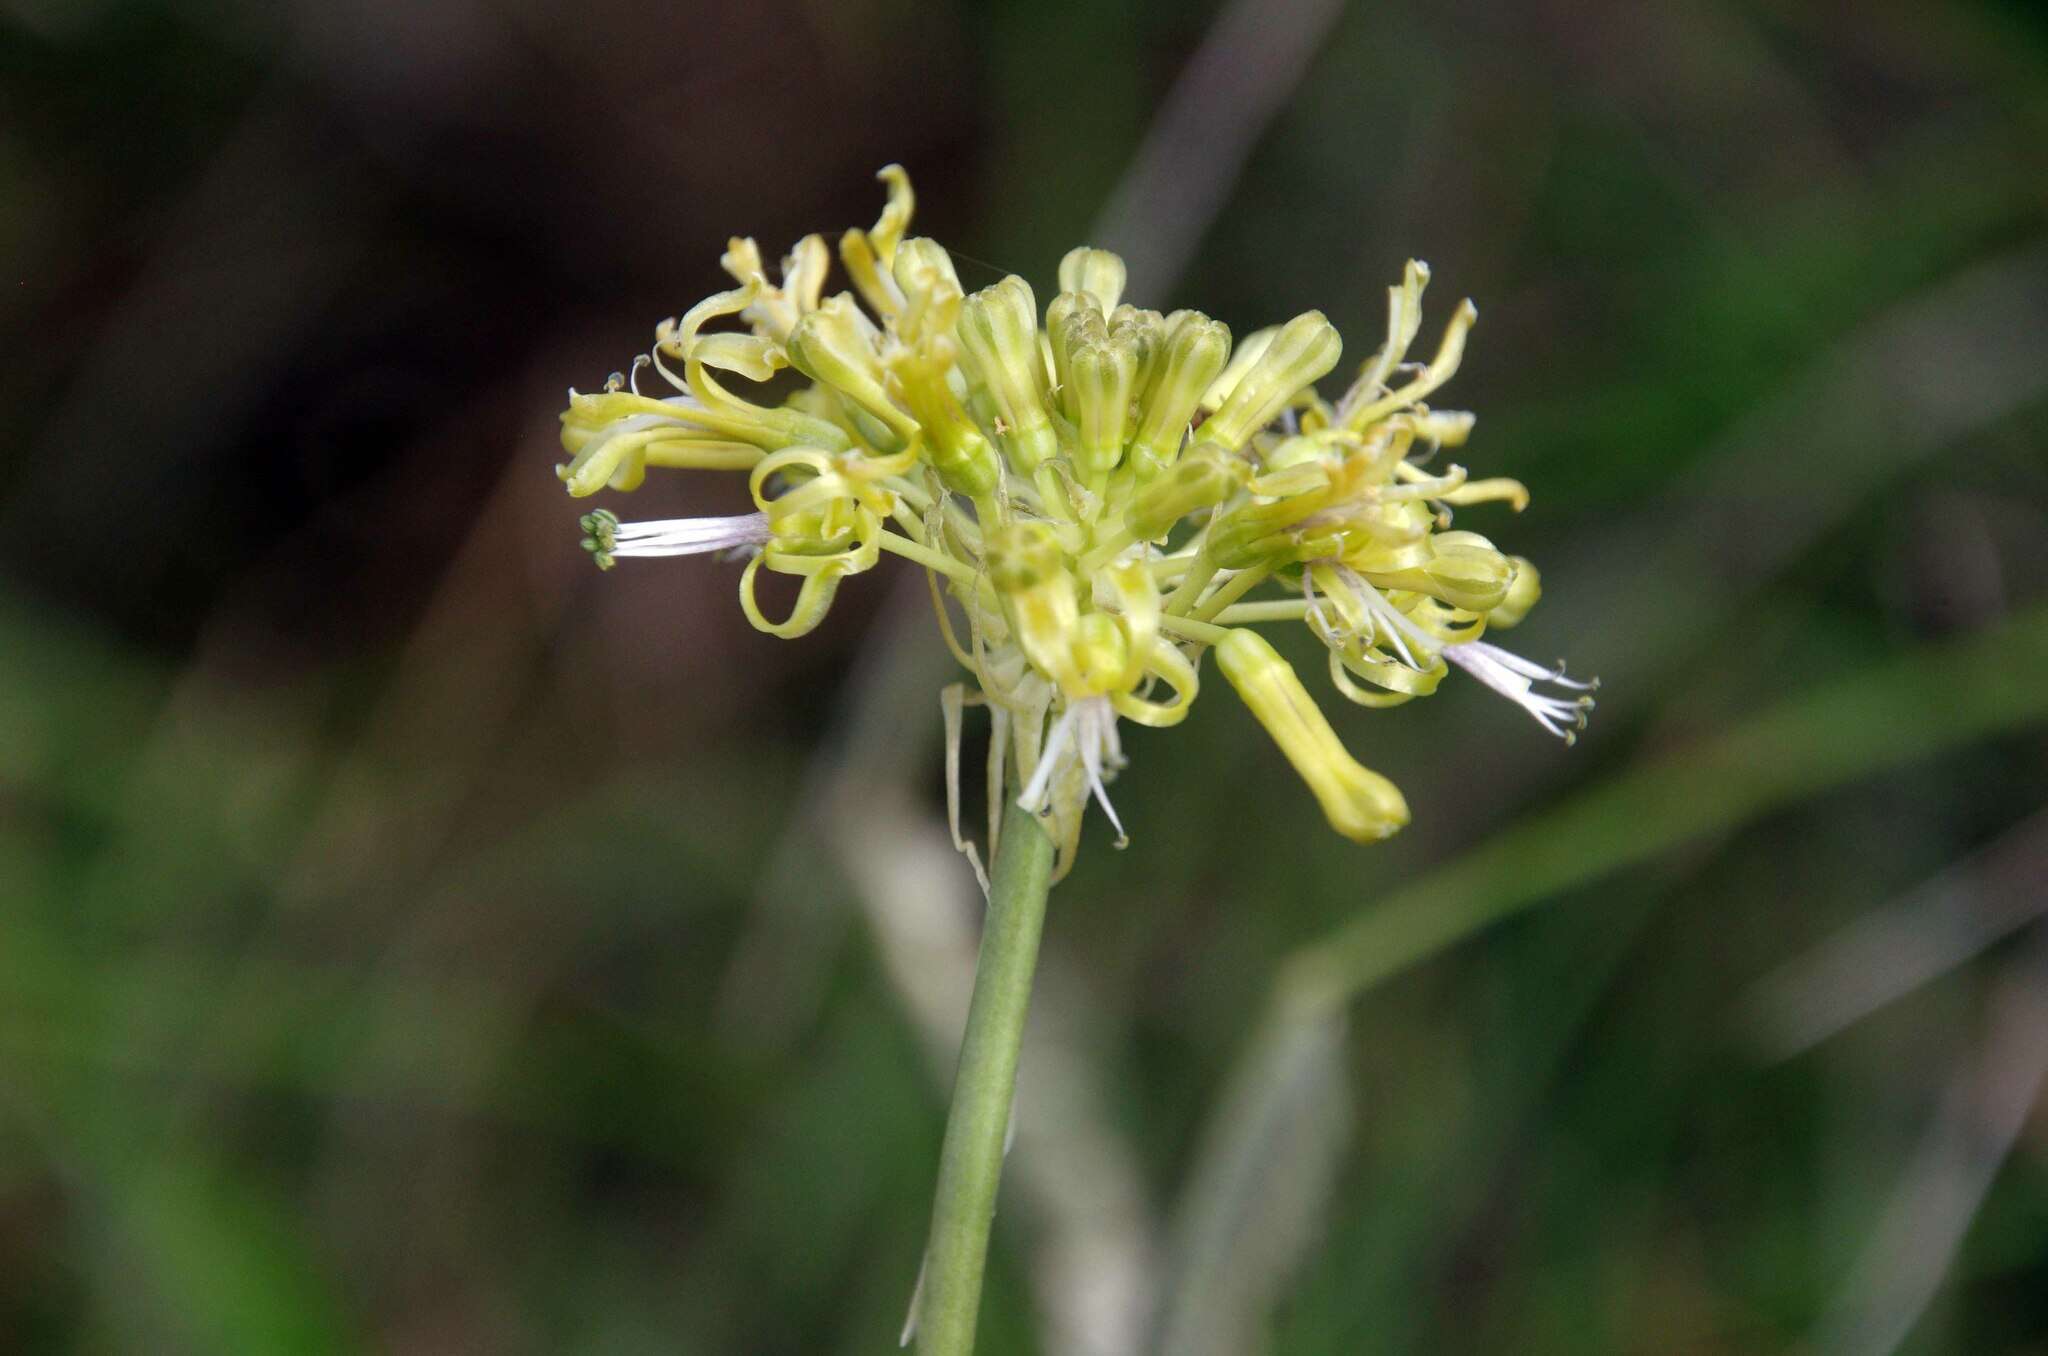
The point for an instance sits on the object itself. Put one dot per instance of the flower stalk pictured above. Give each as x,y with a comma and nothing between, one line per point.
971,1161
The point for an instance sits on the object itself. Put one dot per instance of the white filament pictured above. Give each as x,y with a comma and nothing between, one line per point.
1089,726
1516,678
689,536
1504,671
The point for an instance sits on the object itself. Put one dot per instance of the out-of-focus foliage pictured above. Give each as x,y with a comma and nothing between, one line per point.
409,941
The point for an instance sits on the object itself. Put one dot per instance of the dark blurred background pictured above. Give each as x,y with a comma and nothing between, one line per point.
413,941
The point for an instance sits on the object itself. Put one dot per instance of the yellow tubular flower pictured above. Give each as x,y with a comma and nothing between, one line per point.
1198,482
998,332
1097,272
1305,348
1101,375
1192,354
775,310
868,254
1359,803
836,346
1027,567
1097,492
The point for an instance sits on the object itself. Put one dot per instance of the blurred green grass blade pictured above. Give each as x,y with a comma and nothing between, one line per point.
1890,715
1262,1183
227,1270
187,1251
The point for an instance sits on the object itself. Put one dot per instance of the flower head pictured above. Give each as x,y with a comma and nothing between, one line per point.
1097,488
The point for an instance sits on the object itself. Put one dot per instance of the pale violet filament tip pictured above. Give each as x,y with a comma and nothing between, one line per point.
1516,679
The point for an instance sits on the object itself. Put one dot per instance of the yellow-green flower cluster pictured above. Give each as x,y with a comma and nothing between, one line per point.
1096,490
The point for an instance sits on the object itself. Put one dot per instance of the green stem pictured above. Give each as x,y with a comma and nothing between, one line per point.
1108,549
971,1162
1232,589
1200,571
1208,633
1272,609
925,556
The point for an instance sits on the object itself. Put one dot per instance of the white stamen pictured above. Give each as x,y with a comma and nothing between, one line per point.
1090,724
1033,798
1516,678
1393,623
689,536
1504,671
1388,623
1098,721
1320,623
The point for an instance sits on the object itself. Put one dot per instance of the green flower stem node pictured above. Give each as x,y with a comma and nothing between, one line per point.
971,1161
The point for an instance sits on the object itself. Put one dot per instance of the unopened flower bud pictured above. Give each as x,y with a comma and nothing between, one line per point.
1247,351
1022,556
1197,482
998,333
931,302
1101,375
1462,569
1305,348
835,344
1468,574
1097,272
1192,354
921,255
1359,803
955,447
1072,319
1028,568
1144,334
1522,595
